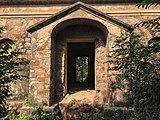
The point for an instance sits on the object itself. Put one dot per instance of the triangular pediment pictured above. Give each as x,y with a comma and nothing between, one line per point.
84,7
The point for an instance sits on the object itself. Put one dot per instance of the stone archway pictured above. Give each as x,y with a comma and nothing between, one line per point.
45,38
81,32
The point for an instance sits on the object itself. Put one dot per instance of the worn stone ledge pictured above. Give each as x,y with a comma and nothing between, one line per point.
46,15
15,104
77,110
38,2
31,109
22,108
120,108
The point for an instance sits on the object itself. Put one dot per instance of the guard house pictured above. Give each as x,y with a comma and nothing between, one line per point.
67,43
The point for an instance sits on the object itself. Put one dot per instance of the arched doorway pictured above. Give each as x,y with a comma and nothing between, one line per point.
73,66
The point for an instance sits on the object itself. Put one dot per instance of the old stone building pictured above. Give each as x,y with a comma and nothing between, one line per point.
66,43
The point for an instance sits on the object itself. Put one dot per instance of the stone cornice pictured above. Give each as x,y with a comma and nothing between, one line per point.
48,10
46,15
40,2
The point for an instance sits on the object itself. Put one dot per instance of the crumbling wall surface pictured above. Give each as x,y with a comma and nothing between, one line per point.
20,89
78,110
36,47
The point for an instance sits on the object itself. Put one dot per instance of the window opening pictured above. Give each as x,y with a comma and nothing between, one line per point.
82,68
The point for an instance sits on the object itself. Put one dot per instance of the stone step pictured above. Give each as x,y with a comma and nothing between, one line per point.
15,104
20,107
29,109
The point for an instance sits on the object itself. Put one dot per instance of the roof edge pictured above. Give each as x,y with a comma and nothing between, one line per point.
74,7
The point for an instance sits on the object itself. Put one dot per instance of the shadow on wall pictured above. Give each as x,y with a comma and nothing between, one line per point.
20,89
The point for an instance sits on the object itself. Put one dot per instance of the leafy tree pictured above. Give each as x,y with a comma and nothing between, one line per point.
148,3
154,24
137,64
134,63
82,69
9,64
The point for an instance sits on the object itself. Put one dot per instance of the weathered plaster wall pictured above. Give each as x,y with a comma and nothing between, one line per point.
37,46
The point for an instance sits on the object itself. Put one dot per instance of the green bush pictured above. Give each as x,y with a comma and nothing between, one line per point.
118,115
110,114
38,114
134,63
46,115
100,115
12,114
9,64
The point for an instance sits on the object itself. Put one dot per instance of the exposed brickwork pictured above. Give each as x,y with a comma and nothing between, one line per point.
45,79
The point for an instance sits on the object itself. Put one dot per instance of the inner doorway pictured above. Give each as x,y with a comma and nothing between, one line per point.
80,66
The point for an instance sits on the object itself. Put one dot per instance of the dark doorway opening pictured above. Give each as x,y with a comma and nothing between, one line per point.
80,66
